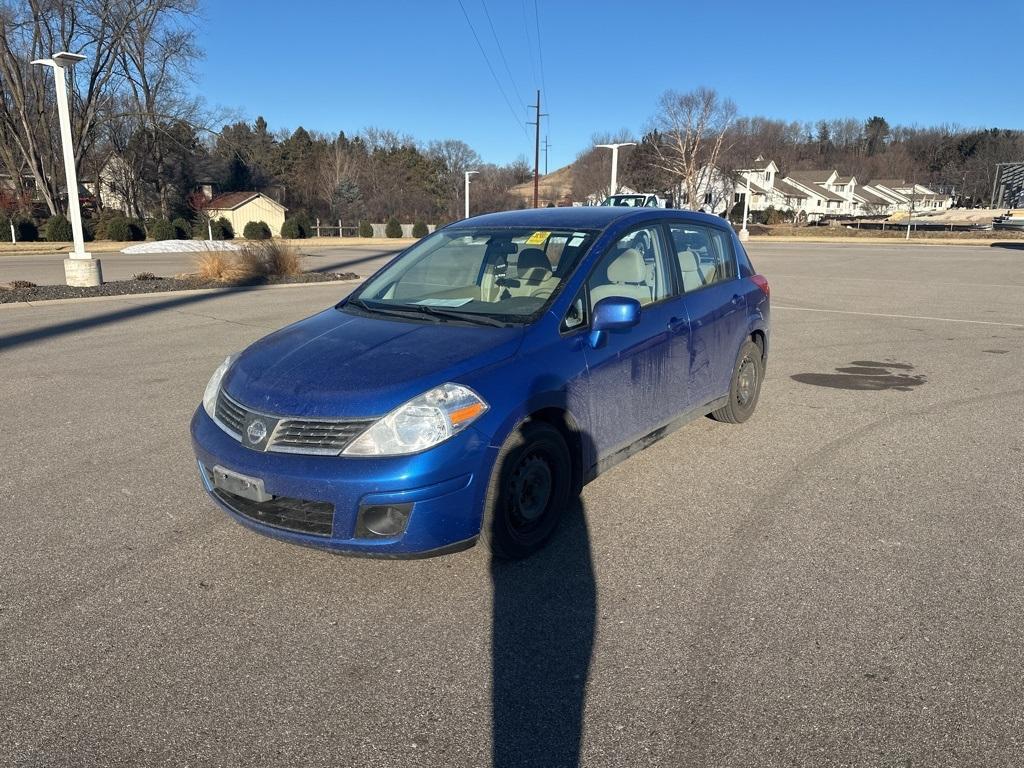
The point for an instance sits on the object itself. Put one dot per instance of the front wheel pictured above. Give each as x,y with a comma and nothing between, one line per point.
745,386
528,491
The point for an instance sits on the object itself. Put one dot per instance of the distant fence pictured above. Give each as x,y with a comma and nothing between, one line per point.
339,230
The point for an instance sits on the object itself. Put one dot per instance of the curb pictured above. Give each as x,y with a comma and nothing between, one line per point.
789,240
108,247
189,292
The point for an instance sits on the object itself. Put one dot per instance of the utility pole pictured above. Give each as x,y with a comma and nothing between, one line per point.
547,146
536,152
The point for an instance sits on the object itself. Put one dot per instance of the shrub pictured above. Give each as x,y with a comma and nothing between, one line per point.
182,229
162,229
392,228
256,230
213,265
221,229
102,220
295,228
22,284
122,230
419,229
144,276
267,258
277,259
24,230
365,229
58,229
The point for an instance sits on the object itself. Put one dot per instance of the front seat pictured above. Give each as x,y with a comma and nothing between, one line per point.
534,275
627,276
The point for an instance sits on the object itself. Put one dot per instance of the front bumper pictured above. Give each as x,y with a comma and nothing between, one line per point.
445,486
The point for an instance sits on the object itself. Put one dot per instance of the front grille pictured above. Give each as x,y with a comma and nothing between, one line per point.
307,436
323,437
315,517
230,414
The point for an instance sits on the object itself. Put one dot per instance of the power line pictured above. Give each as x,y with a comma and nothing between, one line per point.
497,82
540,56
487,13
540,48
529,45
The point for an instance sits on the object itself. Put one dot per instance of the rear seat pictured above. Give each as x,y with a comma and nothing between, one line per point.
695,274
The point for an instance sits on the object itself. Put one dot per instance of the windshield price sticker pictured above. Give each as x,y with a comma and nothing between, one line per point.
537,238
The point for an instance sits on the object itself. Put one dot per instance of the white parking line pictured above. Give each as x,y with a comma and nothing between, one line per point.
901,317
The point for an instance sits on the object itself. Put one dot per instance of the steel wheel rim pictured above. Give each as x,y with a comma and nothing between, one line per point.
532,487
746,382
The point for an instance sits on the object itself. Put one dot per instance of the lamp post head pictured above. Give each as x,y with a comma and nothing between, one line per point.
64,60
616,146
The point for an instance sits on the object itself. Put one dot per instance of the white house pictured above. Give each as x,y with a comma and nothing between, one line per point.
906,195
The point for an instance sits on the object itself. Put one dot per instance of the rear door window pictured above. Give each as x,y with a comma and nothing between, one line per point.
704,254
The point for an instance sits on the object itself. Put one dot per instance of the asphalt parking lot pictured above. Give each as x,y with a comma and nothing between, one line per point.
837,582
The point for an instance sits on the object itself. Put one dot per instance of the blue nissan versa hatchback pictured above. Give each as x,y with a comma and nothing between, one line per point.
473,385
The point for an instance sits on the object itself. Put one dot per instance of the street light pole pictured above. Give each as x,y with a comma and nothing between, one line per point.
81,269
744,234
615,162
468,174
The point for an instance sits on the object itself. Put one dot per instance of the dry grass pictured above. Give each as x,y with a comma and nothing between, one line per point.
213,265
281,260
258,260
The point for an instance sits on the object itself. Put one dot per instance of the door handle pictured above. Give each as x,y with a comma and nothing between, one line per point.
675,323
736,300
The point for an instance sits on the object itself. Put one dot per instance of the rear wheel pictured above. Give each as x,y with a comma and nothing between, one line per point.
528,491
745,386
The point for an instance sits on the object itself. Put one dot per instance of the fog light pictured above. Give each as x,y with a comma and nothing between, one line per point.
382,520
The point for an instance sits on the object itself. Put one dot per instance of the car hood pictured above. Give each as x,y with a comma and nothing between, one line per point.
340,365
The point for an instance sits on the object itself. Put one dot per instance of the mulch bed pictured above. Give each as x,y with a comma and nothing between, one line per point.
158,285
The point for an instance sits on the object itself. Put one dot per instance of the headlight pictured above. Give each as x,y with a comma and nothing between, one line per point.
422,422
213,388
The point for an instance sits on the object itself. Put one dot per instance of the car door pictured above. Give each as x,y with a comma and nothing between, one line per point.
714,303
633,372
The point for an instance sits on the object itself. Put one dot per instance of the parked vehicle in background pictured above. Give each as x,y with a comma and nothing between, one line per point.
637,200
476,383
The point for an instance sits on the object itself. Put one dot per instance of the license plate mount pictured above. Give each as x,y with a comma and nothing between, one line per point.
240,485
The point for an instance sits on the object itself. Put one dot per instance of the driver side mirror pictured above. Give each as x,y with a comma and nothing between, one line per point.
614,313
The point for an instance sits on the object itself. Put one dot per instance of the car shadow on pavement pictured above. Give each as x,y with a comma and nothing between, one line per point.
1017,246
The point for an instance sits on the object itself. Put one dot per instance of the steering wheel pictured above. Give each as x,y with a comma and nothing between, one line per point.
542,293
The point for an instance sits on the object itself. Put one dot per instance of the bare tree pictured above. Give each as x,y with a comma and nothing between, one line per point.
591,173
35,30
155,56
455,158
693,127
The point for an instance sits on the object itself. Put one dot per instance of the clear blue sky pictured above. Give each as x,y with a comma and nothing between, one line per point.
415,67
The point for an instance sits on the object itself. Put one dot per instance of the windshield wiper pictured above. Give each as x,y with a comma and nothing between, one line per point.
469,317
392,311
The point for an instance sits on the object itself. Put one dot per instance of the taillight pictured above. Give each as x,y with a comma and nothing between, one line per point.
762,282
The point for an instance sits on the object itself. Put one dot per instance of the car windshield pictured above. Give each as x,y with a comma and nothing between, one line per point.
631,201
486,275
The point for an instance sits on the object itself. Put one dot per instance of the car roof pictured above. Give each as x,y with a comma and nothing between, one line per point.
584,217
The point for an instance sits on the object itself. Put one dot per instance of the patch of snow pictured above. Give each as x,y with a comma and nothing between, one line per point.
181,246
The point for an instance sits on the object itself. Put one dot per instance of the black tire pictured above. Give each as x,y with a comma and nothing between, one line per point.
530,487
744,387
